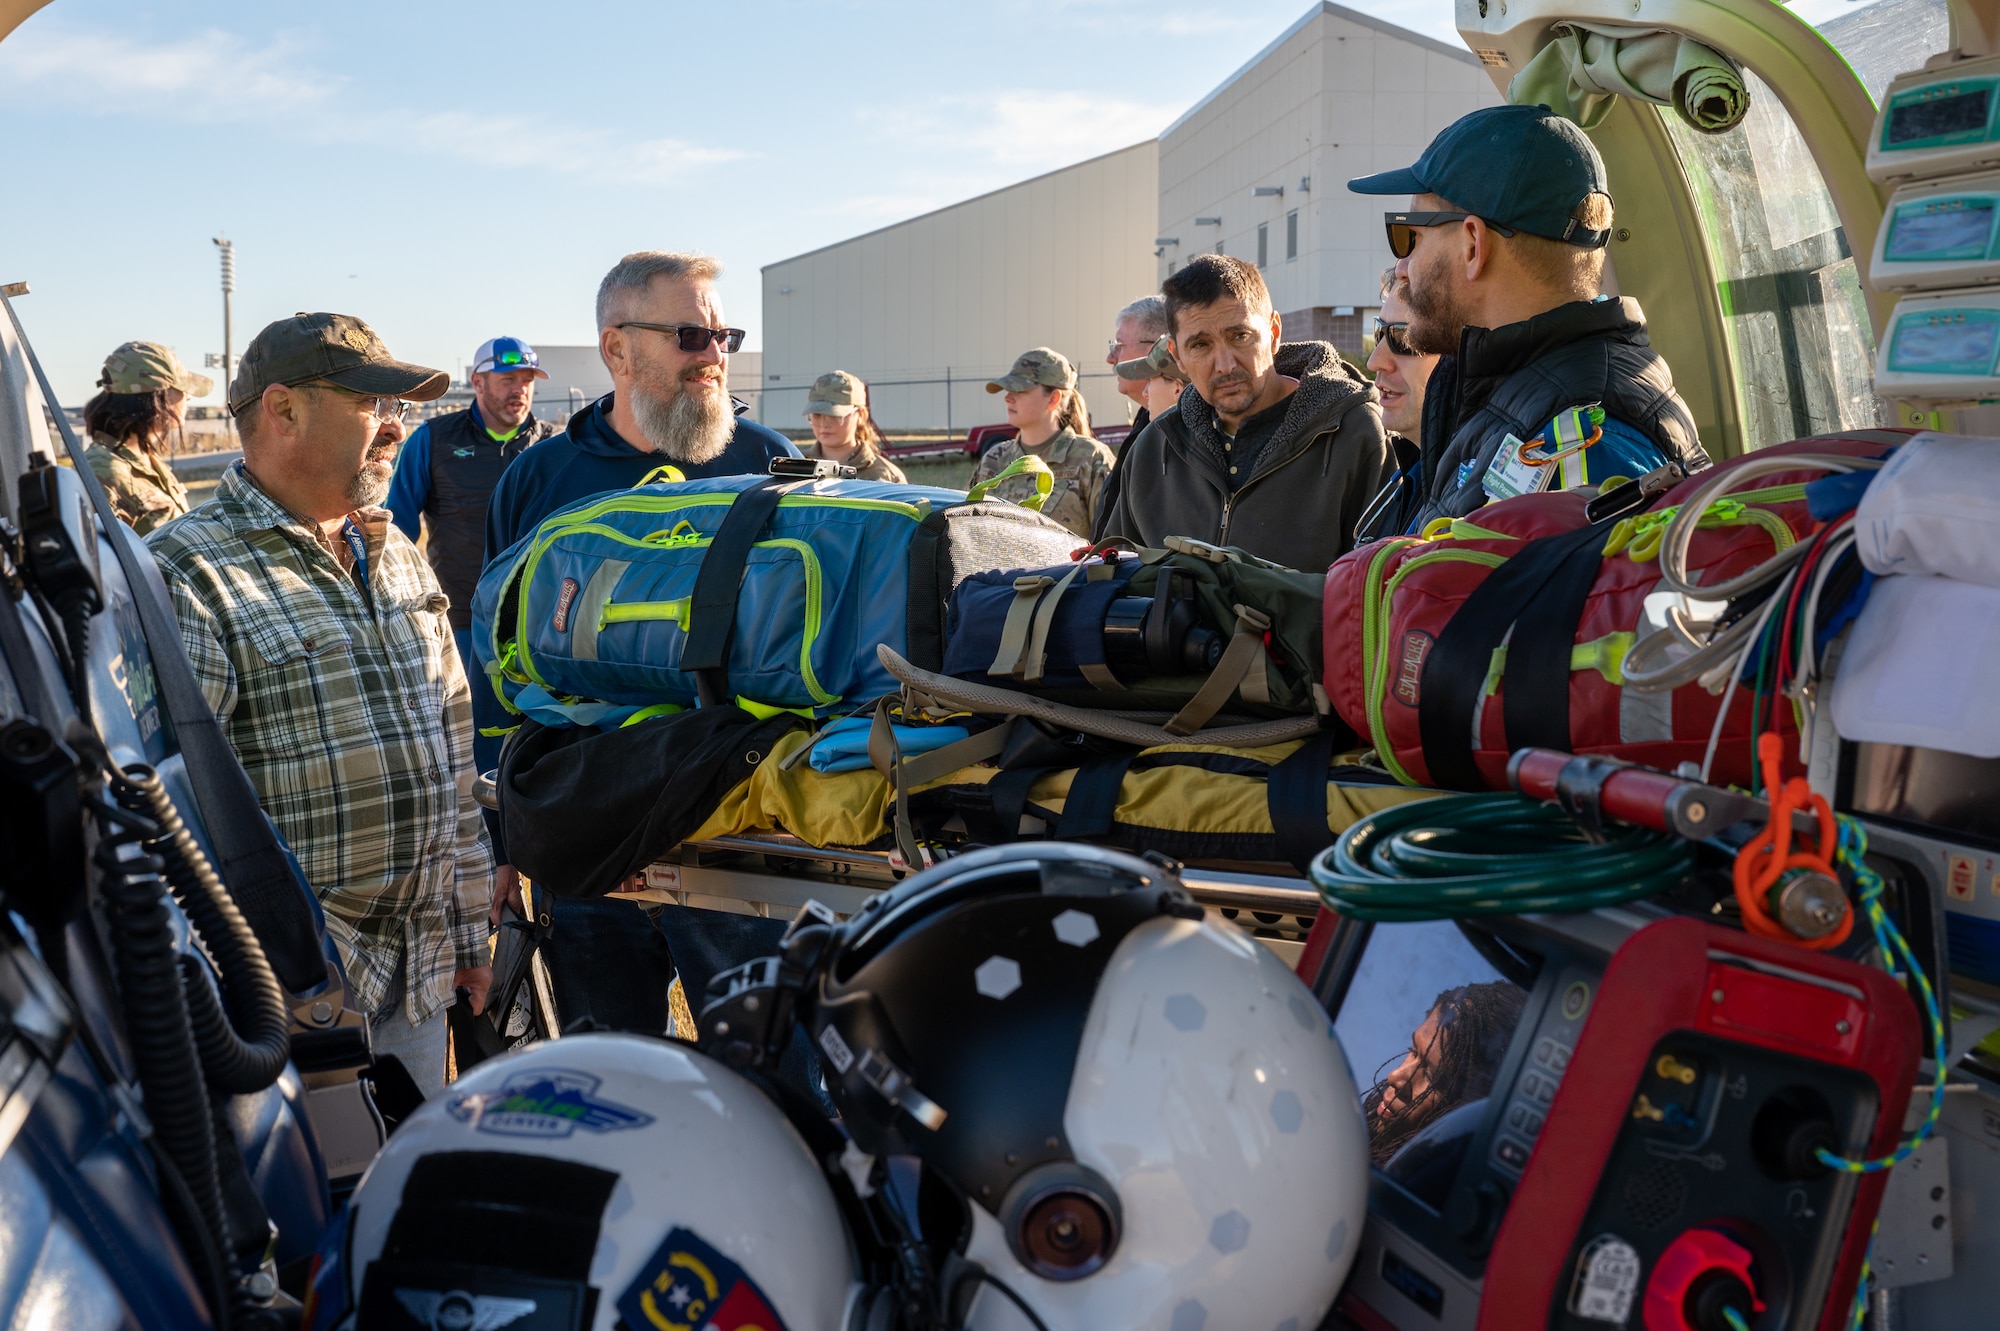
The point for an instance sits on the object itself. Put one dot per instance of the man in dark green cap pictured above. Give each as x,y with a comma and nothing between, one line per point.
1546,383
319,636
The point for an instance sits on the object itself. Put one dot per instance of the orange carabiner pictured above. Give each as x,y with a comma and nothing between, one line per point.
1768,855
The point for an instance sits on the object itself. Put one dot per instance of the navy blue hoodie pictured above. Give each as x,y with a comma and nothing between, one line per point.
590,458
587,458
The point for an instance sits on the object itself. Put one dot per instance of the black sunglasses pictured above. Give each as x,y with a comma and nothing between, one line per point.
1395,336
693,337
1403,227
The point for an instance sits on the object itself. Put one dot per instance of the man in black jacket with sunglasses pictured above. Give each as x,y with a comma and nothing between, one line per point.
1545,383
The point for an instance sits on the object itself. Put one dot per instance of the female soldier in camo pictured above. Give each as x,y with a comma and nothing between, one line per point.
142,405
844,428
1044,404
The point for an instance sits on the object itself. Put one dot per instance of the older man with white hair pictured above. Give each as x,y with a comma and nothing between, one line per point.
661,332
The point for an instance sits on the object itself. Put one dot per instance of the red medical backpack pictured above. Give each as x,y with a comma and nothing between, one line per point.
1445,714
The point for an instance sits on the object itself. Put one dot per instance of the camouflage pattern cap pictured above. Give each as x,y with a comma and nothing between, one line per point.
1050,369
1160,360
836,394
148,367
337,348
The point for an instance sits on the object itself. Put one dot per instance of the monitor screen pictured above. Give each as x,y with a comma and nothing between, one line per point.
1426,1023
1923,117
1953,342
1955,796
1938,230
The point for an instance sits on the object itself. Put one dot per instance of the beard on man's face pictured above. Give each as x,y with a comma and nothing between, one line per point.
1437,314
685,426
370,485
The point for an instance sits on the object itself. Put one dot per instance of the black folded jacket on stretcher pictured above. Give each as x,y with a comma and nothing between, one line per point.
583,808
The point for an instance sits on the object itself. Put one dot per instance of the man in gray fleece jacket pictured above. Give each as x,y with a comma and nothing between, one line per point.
1273,448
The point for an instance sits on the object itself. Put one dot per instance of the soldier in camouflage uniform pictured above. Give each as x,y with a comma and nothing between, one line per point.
1042,400
143,402
844,428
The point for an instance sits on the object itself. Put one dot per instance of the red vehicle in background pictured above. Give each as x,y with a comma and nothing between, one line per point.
982,437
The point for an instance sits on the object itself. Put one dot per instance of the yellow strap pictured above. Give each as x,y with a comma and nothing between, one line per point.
1605,655
1025,465
764,711
668,473
648,713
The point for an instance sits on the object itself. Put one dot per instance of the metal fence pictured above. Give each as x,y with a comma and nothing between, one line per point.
916,402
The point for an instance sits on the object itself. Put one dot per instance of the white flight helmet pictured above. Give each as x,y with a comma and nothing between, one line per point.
1150,1116
591,1178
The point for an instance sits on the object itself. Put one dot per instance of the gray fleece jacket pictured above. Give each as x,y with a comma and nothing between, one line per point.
1313,479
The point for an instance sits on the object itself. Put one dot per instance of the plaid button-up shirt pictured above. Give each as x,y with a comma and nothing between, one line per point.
354,720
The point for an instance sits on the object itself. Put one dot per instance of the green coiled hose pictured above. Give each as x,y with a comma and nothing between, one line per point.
1501,854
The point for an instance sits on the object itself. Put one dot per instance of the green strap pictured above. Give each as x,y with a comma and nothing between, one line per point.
1028,589
1025,465
1246,647
667,473
1038,638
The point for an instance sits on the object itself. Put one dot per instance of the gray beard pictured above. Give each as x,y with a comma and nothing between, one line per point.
370,486
683,428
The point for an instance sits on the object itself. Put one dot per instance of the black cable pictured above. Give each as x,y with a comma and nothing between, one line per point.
154,1004
979,1273
248,1050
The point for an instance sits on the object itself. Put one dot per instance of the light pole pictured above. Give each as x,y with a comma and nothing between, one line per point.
228,249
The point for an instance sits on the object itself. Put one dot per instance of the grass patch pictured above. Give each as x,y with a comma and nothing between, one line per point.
951,473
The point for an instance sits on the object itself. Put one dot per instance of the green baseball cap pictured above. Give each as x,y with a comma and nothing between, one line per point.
1160,360
337,348
148,367
1050,369
1523,167
836,394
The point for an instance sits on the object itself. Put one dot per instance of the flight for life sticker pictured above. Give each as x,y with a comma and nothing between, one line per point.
548,1102
688,1286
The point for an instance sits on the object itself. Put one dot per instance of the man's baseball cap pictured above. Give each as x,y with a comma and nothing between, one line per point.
1522,167
1050,369
338,348
148,367
836,394
1158,361
505,354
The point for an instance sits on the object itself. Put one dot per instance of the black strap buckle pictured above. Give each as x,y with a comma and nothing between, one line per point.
1580,792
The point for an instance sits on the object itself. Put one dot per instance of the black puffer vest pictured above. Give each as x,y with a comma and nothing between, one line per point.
1513,380
466,463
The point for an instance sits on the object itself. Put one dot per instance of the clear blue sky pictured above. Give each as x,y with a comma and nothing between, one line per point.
449,171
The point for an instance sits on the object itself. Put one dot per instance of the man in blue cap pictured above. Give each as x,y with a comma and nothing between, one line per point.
449,466
1546,383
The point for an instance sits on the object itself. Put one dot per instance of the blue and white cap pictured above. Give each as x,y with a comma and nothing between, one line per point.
503,354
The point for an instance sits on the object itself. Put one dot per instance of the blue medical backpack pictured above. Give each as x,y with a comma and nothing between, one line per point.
770,590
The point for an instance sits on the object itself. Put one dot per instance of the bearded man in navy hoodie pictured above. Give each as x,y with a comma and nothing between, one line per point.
661,332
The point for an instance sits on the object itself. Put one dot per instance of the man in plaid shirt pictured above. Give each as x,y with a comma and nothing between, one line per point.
319,636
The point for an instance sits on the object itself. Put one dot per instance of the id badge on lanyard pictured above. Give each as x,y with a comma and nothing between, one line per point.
357,545
1531,466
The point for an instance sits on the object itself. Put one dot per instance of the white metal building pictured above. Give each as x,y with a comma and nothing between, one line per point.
929,309
1259,167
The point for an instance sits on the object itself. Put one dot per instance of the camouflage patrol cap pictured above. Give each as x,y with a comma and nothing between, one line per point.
148,367
337,348
1159,361
1050,369
836,394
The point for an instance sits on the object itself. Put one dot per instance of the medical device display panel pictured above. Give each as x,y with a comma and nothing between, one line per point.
1939,234
1943,347
1937,123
